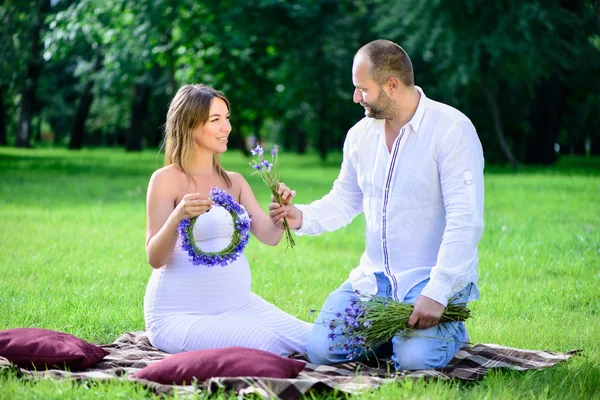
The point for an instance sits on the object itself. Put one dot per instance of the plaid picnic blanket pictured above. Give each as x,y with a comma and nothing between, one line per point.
132,351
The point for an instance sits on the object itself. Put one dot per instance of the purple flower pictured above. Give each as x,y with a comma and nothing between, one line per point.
257,151
350,322
274,150
267,165
353,329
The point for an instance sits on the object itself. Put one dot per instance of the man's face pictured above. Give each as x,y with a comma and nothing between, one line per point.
368,93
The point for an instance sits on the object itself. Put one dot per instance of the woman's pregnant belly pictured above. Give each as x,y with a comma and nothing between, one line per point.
184,288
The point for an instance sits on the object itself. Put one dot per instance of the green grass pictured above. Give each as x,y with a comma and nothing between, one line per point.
72,259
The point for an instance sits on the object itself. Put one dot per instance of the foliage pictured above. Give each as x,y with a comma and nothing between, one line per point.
523,71
474,53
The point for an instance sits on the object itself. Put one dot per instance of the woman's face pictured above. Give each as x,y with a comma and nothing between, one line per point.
213,135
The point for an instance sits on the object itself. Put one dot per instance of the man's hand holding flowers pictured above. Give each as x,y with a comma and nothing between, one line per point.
427,313
278,212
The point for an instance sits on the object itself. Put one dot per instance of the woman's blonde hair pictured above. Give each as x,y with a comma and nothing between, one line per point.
189,108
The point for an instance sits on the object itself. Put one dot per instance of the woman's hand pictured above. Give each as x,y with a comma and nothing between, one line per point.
285,193
278,212
192,205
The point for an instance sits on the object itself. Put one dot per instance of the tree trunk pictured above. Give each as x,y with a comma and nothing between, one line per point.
171,72
38,128
594,146
237,131
34,67
300,140
54,122
236,138
257,124
26,112
498,128
83,110
78,130
323,139
545,121
3,140
285,137
172,8
139,109
118,133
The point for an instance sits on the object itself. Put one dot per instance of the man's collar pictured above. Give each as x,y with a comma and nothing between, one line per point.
415,121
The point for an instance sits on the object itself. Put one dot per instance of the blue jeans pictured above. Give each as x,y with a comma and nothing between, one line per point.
433,348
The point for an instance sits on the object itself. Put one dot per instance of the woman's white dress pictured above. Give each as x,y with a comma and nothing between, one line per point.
192,307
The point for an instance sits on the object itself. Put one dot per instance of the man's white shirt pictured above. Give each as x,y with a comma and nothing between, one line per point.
422,201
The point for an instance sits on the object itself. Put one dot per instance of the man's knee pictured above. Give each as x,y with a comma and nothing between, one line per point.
419,354
318,347
414,360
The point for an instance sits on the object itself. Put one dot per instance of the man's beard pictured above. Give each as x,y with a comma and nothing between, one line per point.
381,108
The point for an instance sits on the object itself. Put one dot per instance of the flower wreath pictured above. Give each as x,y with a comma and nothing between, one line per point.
239,240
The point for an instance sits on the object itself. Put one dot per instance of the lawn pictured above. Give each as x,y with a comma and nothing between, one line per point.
72,259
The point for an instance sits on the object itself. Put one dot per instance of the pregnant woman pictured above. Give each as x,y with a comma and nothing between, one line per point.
188,306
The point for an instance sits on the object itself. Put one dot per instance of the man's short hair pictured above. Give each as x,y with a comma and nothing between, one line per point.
387,59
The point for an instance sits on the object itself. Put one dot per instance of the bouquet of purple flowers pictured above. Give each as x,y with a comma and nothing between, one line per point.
269,172
367,324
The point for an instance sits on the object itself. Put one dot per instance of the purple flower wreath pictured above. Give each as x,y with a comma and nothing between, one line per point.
239,240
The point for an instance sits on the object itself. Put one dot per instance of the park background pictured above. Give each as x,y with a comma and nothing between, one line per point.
84,89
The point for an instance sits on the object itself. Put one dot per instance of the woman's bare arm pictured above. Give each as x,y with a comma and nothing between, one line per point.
163,216
262,227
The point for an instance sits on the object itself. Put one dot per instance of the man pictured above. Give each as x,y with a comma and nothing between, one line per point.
415,168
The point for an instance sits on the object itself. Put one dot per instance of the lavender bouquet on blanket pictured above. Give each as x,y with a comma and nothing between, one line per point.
370,322
269,172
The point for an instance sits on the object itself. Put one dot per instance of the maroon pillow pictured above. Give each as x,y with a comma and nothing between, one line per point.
43,348
224,362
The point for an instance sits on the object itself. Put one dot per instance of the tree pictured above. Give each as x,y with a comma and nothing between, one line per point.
40,9
316,43
76,38
504,55
13,26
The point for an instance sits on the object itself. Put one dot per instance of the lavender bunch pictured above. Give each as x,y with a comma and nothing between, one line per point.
269,173
367,324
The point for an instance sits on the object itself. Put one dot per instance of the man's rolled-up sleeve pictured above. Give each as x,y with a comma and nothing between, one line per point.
460,165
